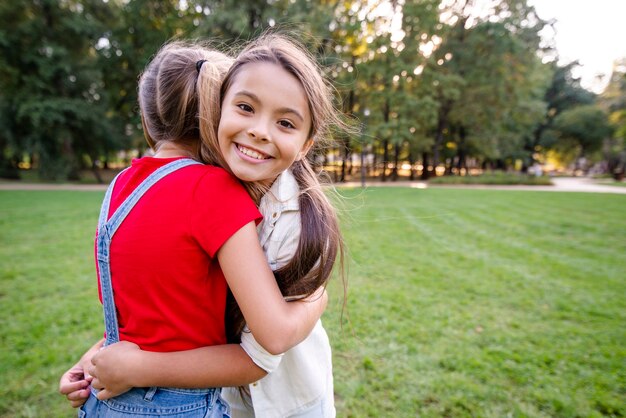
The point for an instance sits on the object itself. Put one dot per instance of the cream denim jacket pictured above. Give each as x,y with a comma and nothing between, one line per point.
300,381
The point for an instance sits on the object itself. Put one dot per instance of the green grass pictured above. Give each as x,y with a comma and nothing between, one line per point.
462,303
86,177
611,182
48,299
483,303
494,178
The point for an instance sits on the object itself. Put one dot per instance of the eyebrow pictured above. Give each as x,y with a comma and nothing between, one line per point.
282,110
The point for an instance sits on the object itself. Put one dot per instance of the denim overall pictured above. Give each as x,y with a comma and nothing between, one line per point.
154,401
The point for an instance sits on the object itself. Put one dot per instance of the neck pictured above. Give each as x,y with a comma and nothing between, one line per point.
172,150
267,184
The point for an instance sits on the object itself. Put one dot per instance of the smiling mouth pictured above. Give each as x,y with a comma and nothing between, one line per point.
248,152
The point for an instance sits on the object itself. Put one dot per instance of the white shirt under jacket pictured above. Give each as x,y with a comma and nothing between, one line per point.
300,381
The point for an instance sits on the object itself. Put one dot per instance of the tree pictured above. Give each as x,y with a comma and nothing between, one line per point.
564,92
613,101
50,83
415,105
389,67
580,131
500,94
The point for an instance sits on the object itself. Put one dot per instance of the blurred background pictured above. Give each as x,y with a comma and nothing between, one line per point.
462,302
439,88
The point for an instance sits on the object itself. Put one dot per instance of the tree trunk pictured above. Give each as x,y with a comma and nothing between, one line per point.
425,172
396,157
385,159
461,150
96,171
346,166
374,162
344,160
442,126
386,111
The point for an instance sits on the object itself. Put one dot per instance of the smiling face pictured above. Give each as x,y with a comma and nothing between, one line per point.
265,122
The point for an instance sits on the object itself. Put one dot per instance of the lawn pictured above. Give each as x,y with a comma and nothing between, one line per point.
494,178
462,303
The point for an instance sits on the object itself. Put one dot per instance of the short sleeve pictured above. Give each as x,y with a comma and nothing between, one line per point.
221,206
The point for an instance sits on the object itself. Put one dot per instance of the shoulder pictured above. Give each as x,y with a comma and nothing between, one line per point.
216,187
214,177
202,170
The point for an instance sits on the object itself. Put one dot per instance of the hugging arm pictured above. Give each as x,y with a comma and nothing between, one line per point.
123,365
276,324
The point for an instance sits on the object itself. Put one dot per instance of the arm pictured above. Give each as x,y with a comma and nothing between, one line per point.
276,324
74,383
123,365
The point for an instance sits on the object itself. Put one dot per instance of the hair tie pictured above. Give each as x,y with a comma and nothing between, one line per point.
199,65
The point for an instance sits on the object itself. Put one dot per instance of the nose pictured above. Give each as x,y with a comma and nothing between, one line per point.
259,131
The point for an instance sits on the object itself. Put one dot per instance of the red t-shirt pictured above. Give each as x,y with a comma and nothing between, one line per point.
169,290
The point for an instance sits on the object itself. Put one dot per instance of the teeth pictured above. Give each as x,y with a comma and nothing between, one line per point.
252,153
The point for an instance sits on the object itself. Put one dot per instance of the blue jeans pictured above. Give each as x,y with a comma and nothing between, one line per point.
158,402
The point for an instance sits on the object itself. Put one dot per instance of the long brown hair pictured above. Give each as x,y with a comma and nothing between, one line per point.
320,243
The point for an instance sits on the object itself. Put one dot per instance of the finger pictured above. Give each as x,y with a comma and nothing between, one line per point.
96,384
78,403
78,395
66,388
104,395
91,371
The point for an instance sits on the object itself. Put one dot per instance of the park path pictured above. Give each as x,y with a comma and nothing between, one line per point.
560,184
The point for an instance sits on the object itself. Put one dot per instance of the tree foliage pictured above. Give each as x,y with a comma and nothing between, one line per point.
430,80
582,128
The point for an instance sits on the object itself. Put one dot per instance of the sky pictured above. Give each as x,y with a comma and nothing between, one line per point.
590,31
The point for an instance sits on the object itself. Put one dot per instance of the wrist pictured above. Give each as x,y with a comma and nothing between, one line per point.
134,369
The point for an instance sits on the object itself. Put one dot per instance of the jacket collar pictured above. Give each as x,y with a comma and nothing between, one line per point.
283,195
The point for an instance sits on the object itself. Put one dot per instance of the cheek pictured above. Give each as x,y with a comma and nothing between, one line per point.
221,136
224,125
294,155
302,149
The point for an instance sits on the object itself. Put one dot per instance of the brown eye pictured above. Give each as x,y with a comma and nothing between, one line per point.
286,124
245,107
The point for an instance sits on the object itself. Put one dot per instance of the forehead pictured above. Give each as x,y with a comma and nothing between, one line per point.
272,84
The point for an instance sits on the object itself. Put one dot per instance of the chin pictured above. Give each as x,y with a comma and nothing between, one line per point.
245,177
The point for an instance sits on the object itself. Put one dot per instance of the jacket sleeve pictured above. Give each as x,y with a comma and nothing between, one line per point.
260,356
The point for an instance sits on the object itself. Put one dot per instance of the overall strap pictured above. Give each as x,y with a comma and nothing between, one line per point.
106,230
104,209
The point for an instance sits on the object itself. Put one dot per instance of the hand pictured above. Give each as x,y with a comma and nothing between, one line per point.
316,304
320,296
75,385
111,369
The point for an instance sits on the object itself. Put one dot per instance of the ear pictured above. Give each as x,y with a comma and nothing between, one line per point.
305,149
